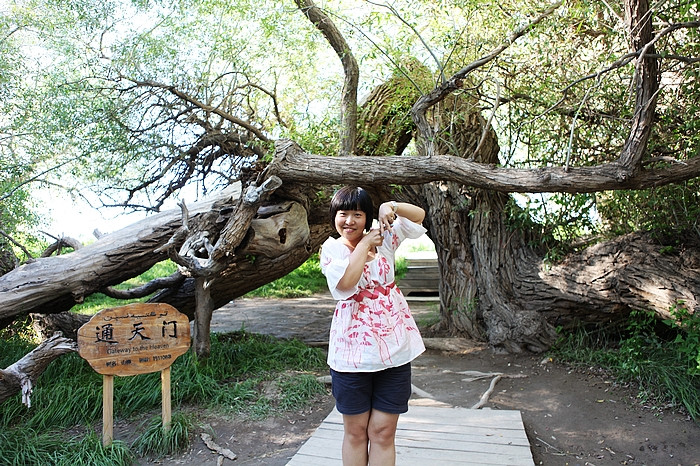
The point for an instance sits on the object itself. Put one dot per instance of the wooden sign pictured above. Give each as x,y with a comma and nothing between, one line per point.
134,339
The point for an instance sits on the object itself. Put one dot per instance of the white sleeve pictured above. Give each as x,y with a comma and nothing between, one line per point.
334,259
404,228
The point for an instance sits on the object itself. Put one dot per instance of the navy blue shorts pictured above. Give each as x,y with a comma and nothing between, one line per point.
358,392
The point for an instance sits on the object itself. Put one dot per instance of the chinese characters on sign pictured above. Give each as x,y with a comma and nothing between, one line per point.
134,339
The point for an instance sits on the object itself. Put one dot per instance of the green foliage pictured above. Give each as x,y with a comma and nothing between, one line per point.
552,222
666,370
687,340
234,378
305,280
667,211
99,301
155,441
400,268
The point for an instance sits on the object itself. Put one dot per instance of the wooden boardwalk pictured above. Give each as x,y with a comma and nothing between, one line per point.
429,435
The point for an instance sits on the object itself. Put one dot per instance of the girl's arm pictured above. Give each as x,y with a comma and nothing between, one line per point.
358,257
388,211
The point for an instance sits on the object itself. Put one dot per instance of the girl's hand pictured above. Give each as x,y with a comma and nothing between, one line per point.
373,238
386,217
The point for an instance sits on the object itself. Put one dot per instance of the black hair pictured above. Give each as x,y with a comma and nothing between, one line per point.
353,198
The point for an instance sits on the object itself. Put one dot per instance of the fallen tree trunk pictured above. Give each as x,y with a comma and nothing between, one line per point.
627,272
55,284
23,374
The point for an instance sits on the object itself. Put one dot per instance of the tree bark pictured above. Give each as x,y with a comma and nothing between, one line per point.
204,308
54,284
23,374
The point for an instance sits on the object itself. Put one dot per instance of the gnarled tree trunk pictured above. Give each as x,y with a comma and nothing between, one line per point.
481,262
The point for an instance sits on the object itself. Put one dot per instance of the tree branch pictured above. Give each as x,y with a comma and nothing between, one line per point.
292,164
174,280
24,373
640,29
207,108
10,239
348,110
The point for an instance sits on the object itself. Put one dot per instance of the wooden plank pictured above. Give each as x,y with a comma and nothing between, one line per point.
107,409
443,418
434,435
166,399
328,452
484,439
482,434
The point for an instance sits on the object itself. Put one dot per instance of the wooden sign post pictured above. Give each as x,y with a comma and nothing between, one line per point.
133,339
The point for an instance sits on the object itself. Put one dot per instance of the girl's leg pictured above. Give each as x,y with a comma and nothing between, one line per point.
381,432
355,440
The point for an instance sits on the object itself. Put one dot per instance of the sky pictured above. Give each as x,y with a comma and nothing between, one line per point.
76,219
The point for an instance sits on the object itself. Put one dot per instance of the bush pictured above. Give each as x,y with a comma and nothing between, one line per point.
665,369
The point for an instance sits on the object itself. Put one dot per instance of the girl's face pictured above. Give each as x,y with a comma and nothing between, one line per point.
350,224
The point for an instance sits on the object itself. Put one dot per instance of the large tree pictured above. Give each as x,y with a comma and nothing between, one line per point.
575,99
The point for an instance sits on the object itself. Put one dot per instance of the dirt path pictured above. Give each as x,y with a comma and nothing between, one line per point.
571,417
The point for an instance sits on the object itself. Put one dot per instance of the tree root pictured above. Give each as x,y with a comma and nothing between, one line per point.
214,447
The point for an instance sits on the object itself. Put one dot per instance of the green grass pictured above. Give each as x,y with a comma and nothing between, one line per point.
662,362
305,280
156,442
248,374
26,447
98,301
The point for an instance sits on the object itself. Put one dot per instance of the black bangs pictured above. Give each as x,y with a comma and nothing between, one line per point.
352,198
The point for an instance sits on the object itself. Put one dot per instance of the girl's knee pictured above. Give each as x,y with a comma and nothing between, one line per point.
355,428
382,433
357,434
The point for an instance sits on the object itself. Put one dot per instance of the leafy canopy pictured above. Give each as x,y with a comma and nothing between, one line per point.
141,101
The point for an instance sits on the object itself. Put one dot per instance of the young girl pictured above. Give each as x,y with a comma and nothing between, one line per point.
373,336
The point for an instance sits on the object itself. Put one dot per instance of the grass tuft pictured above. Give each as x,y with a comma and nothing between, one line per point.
661,364
299,391
154,441
27,447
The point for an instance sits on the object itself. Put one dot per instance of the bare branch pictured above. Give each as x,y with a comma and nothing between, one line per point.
24,373
208,108
172,281
10,239
440,66
348,112
63,241
34,178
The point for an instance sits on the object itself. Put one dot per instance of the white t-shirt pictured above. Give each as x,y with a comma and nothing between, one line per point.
372,327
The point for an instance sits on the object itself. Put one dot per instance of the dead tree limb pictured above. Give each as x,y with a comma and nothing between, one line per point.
23,374
348,106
